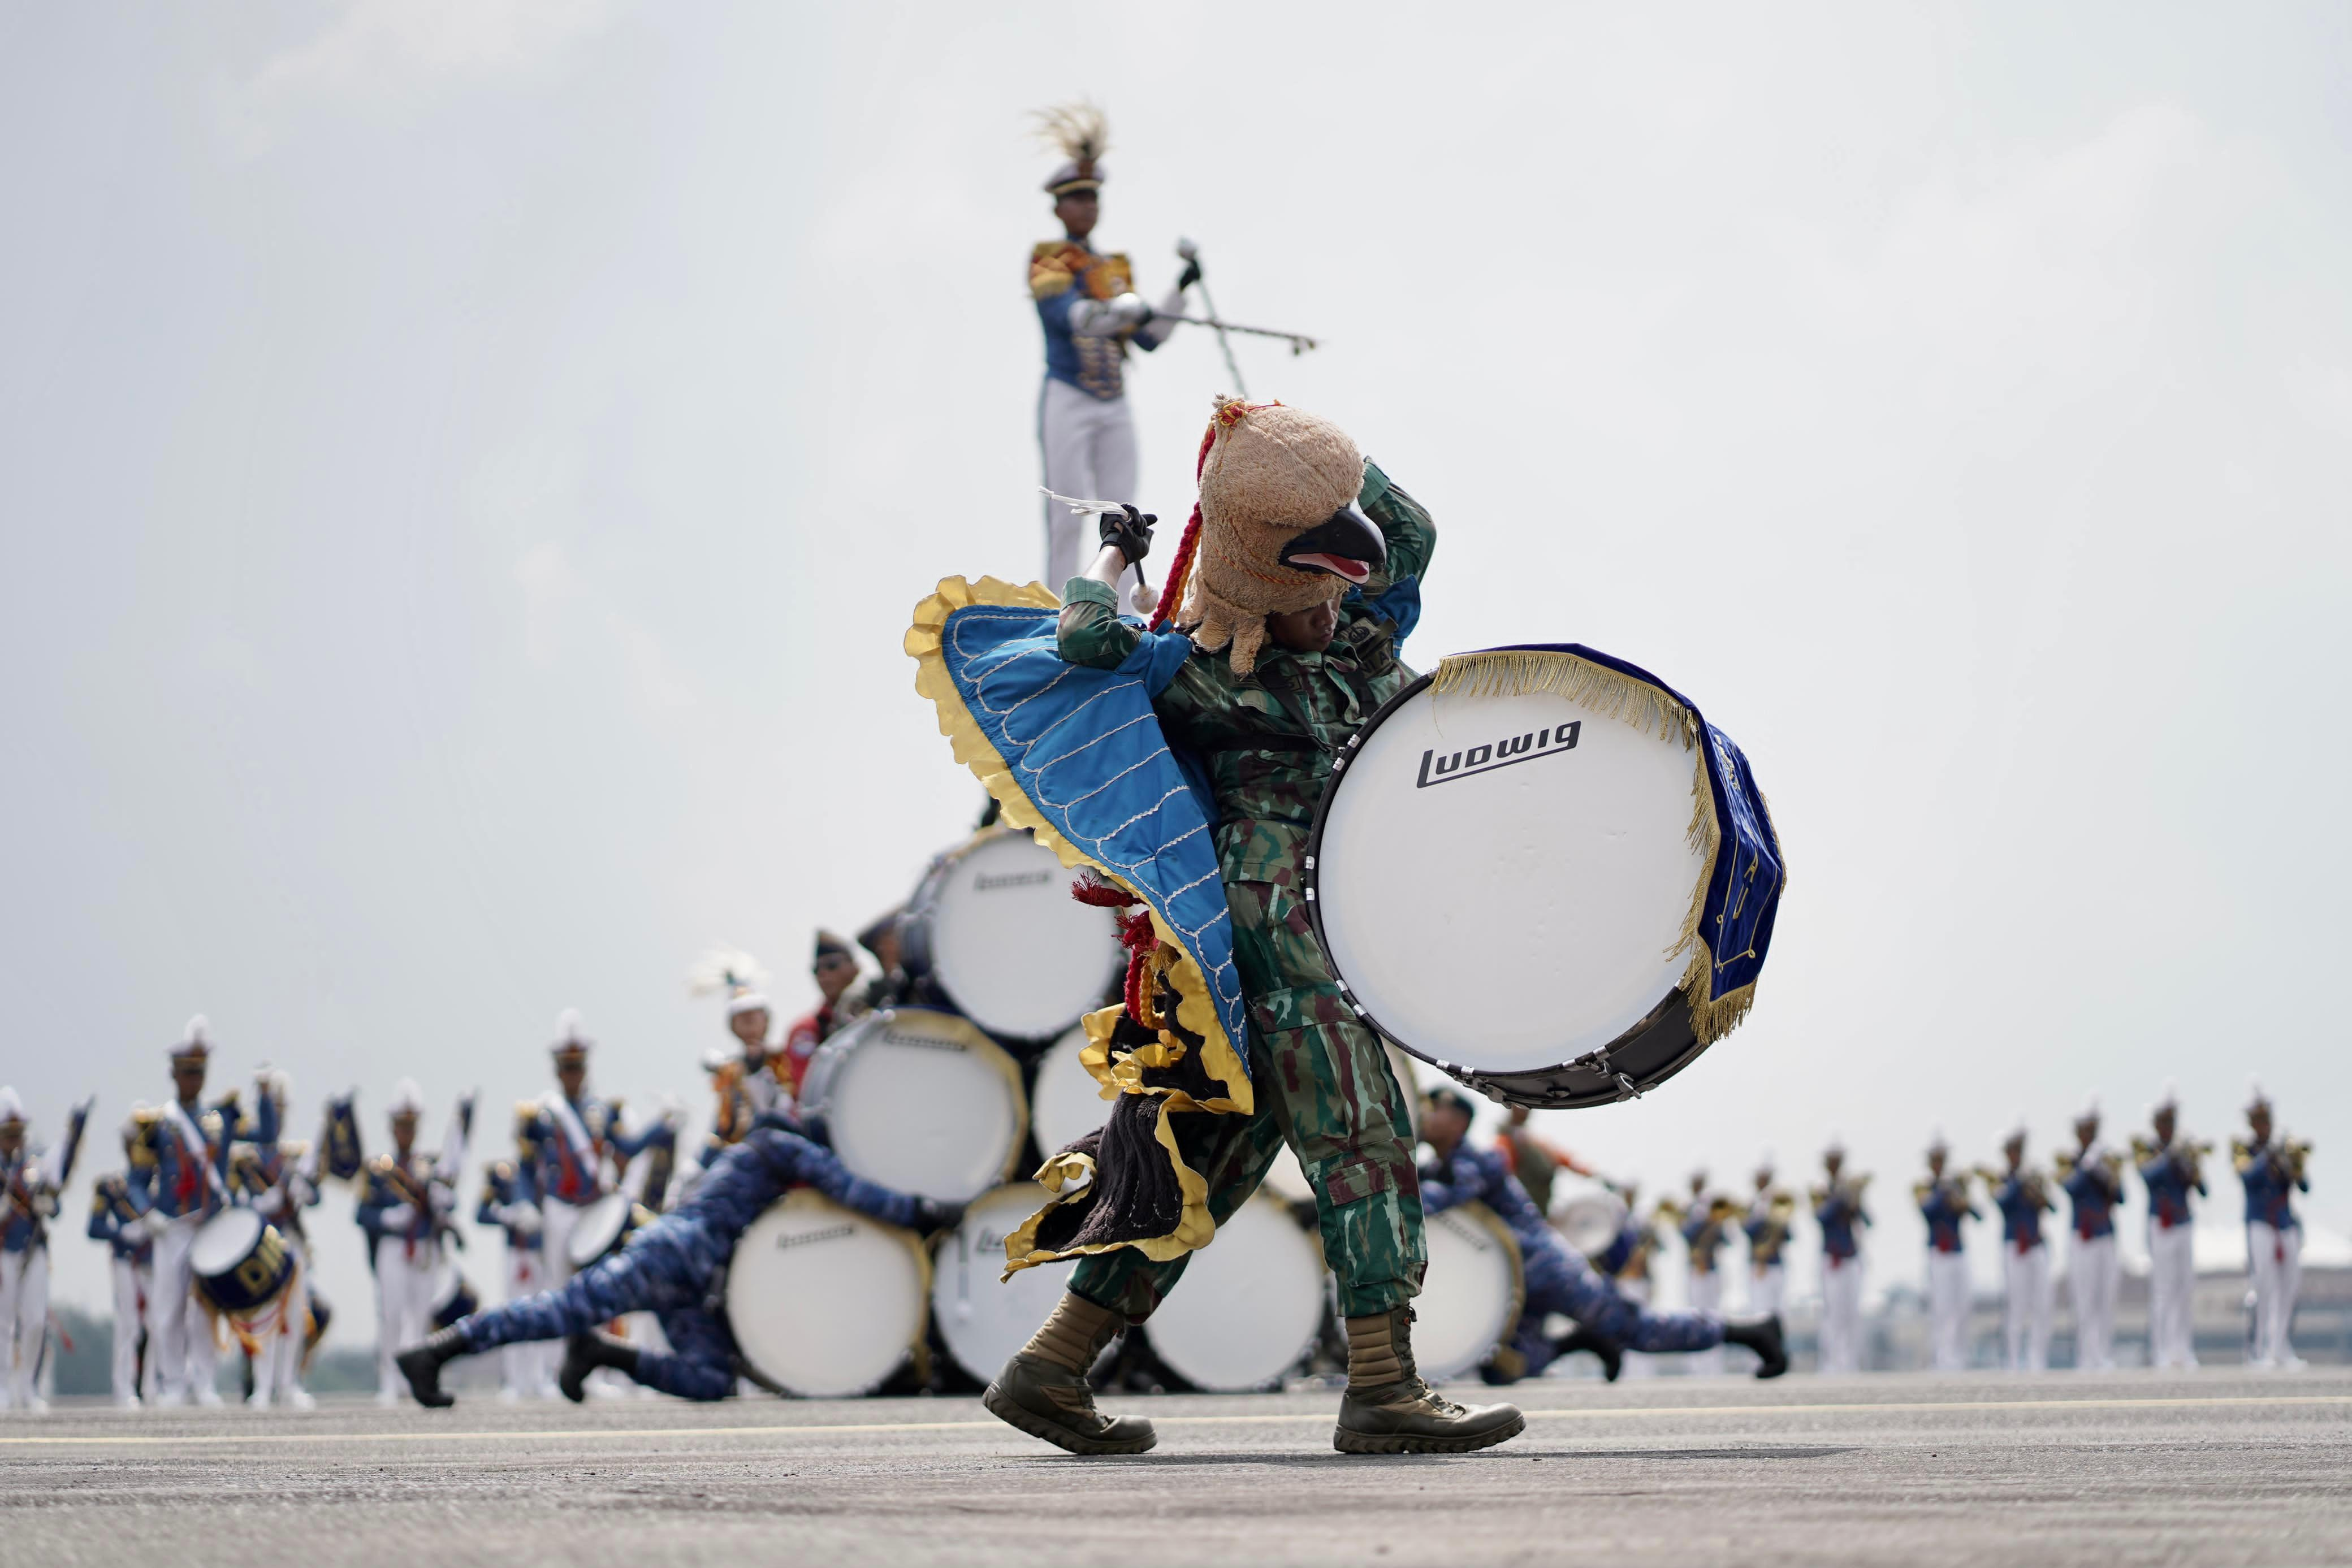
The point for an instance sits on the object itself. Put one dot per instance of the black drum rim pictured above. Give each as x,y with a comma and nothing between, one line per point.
1655,1049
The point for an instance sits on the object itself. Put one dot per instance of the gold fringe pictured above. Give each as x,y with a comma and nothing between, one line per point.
973,748
1060,1175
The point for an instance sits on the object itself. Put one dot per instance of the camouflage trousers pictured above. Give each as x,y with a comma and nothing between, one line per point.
1322,1085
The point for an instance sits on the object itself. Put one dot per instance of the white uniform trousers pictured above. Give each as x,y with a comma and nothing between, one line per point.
1705,1296
557,1220
1947,1310
2274,1257
2025,1324
131,1284
182,1354
404,1275
1841,1331
1089,446
278,1364
2171,1288
2092,1268
24,1322
527,1369
1767,1287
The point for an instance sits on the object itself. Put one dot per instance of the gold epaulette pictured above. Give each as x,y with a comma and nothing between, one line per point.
1050,271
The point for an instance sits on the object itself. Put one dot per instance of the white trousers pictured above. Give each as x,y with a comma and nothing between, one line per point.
181,1353
2025,1325
1089,446
1767,1287
1841,1333
2171,1287
278,1365
23,1321
1947,1310
2274,1257
1705,1296
403,1304
131,1284
528,1368
2090,1272
557,1220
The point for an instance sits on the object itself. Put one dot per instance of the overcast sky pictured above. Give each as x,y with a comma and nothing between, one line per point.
466,467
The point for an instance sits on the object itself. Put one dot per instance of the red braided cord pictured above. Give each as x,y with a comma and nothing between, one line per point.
1173,593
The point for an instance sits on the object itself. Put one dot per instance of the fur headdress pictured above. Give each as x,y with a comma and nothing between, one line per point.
1274,530
1080,132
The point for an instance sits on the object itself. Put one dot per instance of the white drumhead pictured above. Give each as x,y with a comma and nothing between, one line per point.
824,1302
1448,900
983,1321
1250,1303
599,1225
1467,1298
222,1241
1014,950
923,1103
1066,1103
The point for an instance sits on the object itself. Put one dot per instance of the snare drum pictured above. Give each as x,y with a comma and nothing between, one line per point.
240,1263
1470,1300
994,928
1250,1307
1591,1220
919,1102
824,1302
981,1322
1553,843
602,1228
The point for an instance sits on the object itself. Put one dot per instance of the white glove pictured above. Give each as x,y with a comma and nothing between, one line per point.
155,1222
399,1217
522,1216
1108,318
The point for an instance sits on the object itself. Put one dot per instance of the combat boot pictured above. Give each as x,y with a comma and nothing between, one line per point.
1763,1337
1610,1353
1044,1390
1388,1409
421,1363
583,1354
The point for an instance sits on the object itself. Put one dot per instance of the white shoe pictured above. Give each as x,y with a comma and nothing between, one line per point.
35,1406
209,1397
387,1397
257,1400
127,1402
510,1397
300,1399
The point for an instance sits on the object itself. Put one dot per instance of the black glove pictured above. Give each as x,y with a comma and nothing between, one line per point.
931,1214
1129,532
1188,277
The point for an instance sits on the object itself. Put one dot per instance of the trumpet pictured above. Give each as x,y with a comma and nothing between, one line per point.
2295,1153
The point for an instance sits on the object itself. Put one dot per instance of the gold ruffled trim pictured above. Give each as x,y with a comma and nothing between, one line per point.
1612,693
1066,1175
973,748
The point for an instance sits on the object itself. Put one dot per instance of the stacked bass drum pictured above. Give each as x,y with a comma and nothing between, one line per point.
993,933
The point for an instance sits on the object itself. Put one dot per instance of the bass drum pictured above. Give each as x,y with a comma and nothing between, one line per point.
1250,1307
919,1102
824,1302
240,1263
1550,839
602,1228
1470,1300
981,1322
994,928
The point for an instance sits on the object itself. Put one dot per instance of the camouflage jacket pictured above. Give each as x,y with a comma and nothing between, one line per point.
1266,740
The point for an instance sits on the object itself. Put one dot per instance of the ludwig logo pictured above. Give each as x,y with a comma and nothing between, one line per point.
808,1238
1011,879
1508,752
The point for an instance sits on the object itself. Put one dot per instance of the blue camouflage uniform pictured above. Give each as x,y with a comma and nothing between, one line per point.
1558,1280
669,1267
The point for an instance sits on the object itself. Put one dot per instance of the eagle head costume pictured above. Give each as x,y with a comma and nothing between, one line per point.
1276,529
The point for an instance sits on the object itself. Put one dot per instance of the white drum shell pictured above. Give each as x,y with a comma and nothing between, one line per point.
824,1302
921,1102
1006,941
222,1241
1566,869
982,1322
1250,1304
1470,1296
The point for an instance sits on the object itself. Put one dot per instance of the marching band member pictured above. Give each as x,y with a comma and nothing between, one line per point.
1559,1279
1088,305
2022,1197
131,1246
1769,1214
523,1369
576,1148
1535,1162
889,989
1703,1237
835,968
2169,1168
278,1179
745,1080
667,1268
179,1181
1944,1204
2273,1172
28,1201
2092,1177
404,1208
1632,1257
1837,1206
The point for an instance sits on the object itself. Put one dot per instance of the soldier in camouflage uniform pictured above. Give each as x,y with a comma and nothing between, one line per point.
1266,737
